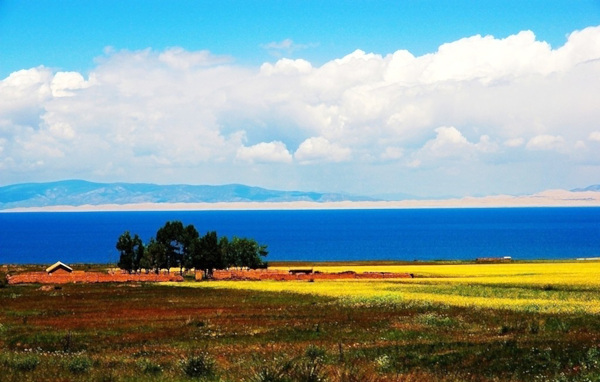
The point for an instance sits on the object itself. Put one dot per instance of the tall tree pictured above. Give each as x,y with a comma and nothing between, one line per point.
212,252
171,237
132,250
247,253
207,254
154,256
189,240
226,253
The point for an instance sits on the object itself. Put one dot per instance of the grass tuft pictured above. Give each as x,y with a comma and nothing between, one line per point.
80,365
200,365
150,367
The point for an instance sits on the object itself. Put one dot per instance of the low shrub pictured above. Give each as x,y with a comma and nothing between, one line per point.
311,368
79,365
149,367
200,365
434,319
269,374
25,363
557,324
276,369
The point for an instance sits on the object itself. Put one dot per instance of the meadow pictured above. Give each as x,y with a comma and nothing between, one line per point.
451,322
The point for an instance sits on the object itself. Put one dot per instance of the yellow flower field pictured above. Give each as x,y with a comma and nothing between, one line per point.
564,287
581,273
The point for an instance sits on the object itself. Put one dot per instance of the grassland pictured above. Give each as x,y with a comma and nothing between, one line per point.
467,322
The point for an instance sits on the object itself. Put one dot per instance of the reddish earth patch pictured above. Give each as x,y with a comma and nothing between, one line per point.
255,275
88,277
279,275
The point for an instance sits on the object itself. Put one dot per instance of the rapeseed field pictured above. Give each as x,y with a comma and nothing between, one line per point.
564,287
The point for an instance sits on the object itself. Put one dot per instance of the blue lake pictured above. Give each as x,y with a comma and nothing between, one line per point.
319,235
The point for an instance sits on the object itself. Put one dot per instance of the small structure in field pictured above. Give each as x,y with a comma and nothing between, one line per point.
301,271
59,268
505,259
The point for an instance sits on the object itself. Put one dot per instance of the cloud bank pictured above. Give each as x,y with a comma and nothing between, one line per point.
478,115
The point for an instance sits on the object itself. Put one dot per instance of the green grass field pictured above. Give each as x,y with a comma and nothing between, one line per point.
446,324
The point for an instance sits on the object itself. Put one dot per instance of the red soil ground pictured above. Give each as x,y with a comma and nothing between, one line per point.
61,277
88,277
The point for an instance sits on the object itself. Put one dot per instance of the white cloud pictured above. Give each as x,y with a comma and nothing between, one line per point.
594,136
286,66
284,44
514,142
319,149
62,130
392,153
64,83
271,152
174,113
178,58
545,142
28,81
450,144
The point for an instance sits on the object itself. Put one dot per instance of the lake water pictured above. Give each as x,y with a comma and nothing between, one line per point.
319,235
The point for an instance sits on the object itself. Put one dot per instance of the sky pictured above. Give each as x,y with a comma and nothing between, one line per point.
425,98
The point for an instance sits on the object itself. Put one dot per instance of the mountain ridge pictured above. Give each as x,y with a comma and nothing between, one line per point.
593,187
80,192
77,194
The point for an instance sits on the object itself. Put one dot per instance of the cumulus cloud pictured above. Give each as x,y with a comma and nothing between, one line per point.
178,58
450,143
265,152
545,142
319,149
392,153
173,113
286,66
594,136
514,142
64,83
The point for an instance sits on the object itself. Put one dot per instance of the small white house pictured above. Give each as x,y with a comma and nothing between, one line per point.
59,267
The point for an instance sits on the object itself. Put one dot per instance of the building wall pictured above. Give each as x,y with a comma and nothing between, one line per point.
60,272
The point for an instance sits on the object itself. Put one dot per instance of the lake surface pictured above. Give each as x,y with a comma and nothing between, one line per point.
319,235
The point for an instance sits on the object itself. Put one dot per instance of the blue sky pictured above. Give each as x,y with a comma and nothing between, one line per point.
68,35
429,98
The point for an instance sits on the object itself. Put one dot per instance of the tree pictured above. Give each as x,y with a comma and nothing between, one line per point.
182,246
189,240
154,256
179,242
171,237
226,253
244,252
213,255
132,251
207,254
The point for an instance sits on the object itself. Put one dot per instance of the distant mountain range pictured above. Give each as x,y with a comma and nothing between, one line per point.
79,192
595,187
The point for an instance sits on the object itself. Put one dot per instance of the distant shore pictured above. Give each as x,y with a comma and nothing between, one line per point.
551,198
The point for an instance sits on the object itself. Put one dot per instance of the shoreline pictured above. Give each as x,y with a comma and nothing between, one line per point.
551,198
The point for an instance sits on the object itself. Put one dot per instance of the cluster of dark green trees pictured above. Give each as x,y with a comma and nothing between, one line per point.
179,246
